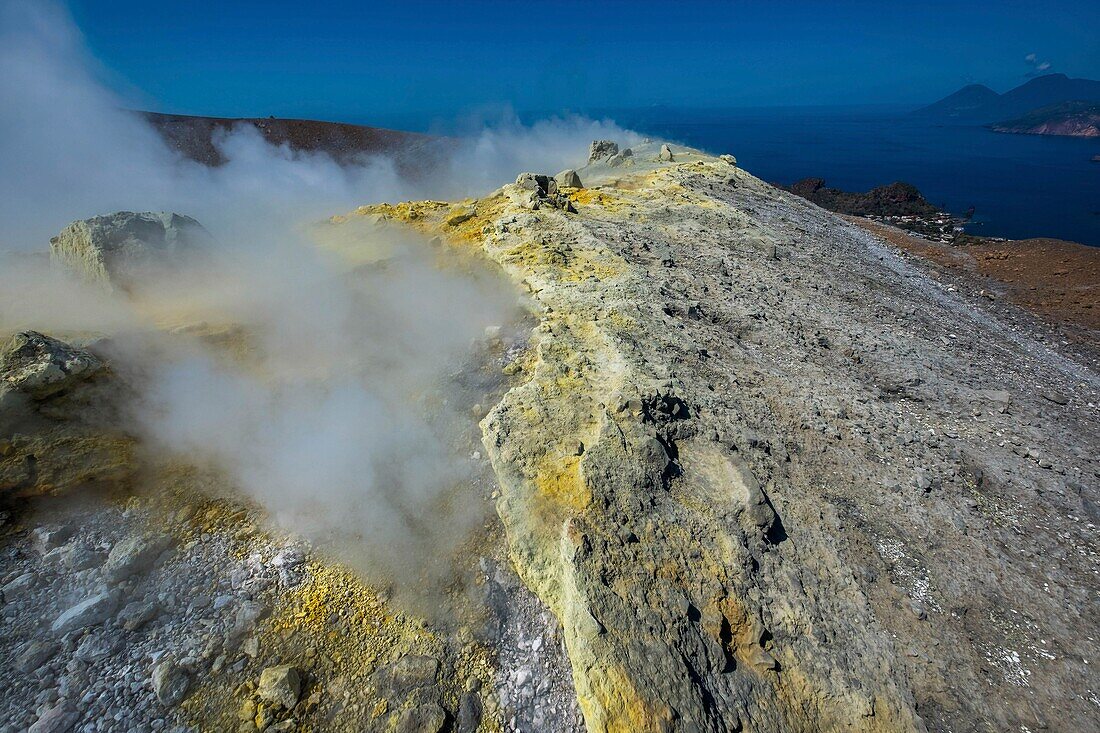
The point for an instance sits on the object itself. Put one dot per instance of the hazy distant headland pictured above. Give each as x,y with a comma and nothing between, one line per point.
1052,104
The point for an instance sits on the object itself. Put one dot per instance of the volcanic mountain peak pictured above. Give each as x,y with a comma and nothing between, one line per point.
765,472
978,103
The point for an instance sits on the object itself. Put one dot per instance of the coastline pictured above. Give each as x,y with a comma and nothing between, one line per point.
1054,279
1057,281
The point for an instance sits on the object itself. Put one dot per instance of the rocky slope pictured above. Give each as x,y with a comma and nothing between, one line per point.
765,472
769,476
1057,280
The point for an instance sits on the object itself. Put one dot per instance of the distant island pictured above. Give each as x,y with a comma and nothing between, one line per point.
1052,104
1075,119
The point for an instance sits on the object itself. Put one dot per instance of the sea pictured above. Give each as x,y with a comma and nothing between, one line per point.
1020,186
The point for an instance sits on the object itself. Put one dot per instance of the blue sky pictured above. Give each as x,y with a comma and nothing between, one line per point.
365,61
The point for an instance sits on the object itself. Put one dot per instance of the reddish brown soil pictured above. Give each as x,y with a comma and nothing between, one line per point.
1057,280
194,138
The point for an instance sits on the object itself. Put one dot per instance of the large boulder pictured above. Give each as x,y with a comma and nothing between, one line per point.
117,250
170,683
535,190
622,158
40,367
601,150
568,179
134,554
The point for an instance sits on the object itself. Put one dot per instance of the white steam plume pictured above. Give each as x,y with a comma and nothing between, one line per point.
338,412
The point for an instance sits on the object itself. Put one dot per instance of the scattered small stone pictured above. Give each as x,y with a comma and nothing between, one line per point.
999,397
1056,397
247,711
56,719
133,555
460,216
136,614
280,685
41,367
414,671
95,647
248,614
185,514
170,683
621,158
428,718
265,716
17,587
91,611
48,538
288,563
77,556
35,655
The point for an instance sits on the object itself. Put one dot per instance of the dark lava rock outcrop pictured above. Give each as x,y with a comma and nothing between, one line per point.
895,199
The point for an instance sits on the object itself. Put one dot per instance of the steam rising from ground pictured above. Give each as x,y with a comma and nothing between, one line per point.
325,394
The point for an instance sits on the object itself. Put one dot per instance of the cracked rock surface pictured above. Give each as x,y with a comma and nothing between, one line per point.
770,475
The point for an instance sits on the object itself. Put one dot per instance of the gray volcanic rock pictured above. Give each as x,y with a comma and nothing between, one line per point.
41,366
88,612
621,158
280,685
170,683
533,190
133,555
118,249
56,719
569,179
601,150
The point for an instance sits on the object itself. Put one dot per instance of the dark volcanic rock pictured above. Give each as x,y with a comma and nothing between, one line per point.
194,138
895,199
